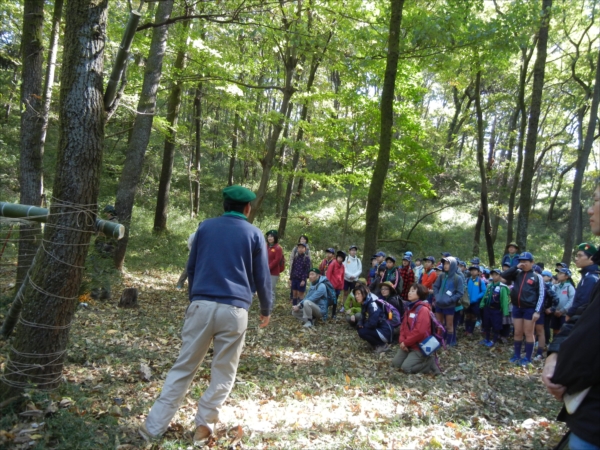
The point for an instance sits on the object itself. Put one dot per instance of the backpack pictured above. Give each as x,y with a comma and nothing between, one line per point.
437,329
392,315
282,264
330,295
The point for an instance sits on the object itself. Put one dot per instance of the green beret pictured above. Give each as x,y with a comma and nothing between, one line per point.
588,249
315,270
237,193
272,232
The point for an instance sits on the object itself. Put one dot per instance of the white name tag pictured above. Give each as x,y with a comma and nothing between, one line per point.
449,293
412,315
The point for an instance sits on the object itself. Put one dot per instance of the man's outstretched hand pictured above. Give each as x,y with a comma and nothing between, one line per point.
264,321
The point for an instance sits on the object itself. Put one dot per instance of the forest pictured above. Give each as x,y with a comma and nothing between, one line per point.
422,126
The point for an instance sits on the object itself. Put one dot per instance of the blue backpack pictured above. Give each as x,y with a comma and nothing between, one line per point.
330,295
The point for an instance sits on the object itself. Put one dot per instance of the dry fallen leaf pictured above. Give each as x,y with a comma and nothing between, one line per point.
237,438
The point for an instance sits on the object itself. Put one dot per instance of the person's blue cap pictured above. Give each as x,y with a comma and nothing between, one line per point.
405,258
391,258
475,261
352,247
440,267
537,269
562,265
565,271
301,244
381,267
474,267
547,273
380,254
525,256
408,253
486,271
330,250
429,258
498,271
446,254
462,263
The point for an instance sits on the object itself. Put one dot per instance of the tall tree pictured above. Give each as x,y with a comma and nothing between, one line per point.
140,135
173,105
374,198
50,293
537,90
30,173
583,155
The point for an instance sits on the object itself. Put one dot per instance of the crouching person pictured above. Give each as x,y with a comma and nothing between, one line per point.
314,305
416,327
373,326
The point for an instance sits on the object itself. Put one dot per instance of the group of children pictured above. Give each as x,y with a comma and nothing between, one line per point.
405,302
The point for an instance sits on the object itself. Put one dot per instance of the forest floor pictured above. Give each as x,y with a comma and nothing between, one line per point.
296,388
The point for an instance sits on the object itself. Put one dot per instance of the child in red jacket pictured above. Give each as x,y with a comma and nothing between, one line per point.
335,274
276,261
415,327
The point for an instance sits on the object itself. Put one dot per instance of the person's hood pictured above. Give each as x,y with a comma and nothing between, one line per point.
352,258
453,265
413,305
322,278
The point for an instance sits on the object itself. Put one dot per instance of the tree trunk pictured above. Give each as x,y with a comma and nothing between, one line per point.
477,233
580,165
485,211
234,144
385,137
532,130
269,158
173,106
281,163
140,135
198,153
50,293
30,173
522,112
561,177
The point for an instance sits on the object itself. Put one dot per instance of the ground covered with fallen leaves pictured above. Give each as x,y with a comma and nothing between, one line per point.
296,388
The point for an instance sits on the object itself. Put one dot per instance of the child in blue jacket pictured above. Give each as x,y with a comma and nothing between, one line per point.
476,290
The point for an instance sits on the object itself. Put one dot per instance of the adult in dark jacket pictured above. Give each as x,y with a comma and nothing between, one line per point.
527,298
218,312
589,276
573,362
448,289
373,326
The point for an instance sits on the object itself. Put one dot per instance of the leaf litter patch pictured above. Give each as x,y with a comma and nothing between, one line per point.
295,387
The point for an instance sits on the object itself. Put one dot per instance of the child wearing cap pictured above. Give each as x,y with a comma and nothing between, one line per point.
527,298
511,257
353,269
301,240
495,306
407,275
476,290
429,275
391,273
299,273
542,326
589,276
329,254
276,260
373,271
566,293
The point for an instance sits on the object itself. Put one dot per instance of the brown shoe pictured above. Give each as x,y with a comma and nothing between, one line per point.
202,434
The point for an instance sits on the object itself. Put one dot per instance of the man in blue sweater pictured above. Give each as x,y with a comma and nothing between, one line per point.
218,312
589,276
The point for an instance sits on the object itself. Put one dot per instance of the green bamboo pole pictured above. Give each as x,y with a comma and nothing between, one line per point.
37,214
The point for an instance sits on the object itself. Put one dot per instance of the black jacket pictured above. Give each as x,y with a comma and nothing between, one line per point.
527,290
578,366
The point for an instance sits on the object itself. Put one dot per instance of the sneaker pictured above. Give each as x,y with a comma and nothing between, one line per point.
201,435
148,437
515,359
382,348
308,324
525,362
484,342
489,344
342,310
478,324
539,357
179,286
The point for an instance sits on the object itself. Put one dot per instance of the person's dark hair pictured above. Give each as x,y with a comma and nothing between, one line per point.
231,206
275,237
363,290
422,291
303,236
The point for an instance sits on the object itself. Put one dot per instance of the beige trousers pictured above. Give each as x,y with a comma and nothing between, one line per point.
205,322
309,311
